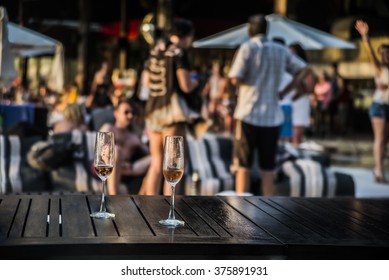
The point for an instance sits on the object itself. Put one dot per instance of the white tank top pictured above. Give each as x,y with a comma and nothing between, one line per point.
382,95
214,87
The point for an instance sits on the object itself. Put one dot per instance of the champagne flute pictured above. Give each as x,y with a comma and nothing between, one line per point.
173,169
104,162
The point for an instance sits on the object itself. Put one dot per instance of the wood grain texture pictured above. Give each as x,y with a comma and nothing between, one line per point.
59,226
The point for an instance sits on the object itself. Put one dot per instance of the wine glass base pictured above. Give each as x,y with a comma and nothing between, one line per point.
102,215
171,223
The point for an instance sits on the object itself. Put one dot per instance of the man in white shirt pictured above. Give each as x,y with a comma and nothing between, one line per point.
257,69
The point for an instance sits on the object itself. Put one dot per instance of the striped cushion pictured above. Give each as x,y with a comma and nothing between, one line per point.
210,156
16,175
308,178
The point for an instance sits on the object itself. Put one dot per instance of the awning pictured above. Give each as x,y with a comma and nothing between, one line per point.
278,26
7,67
25,42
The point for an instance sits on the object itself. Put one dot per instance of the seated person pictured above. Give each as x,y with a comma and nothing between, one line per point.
132,156
73,119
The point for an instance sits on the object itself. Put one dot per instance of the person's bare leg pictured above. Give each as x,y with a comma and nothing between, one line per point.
242,180
297,135
378,125
386,140
152,182
228,125
267,183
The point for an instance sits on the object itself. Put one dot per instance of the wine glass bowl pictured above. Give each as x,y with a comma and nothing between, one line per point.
103,171
173,176
104,160
173,170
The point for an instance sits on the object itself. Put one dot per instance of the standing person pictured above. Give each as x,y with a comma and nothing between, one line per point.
379,110
257,69
227,105
213,91
286,129
337,86
301,105
285,102
323,94
344,108
167,112
101,88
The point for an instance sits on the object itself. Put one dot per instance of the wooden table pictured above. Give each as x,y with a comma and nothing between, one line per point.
59,227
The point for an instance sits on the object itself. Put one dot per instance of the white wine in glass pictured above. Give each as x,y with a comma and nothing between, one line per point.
173,169
104,161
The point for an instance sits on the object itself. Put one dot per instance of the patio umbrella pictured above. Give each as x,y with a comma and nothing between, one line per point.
278,26
27,43
7,67
56,77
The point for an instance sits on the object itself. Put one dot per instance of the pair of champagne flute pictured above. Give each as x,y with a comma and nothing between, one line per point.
173,170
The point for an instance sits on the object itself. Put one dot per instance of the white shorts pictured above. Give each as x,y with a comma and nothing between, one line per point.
301,111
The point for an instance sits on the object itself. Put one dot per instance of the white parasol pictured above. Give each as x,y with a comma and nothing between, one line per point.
25,42
7,67
278,26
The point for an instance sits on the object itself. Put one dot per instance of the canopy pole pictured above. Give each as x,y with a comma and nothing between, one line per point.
280,7
164,18
24,69
123,39
84,6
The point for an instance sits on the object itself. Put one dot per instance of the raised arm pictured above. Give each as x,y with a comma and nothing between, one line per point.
363,28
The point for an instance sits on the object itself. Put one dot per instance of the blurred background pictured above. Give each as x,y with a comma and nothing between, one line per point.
121,32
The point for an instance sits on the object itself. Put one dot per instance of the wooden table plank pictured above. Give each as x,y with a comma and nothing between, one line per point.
156,208
374,211
292,228
381,205
17,229
128,219
283,217
354,221
36,223
103,227
76,221
228,218
270,219
199,220
341,221
318,221
8,208
54,217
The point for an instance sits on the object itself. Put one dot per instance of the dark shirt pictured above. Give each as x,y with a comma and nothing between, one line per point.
101,96
335,87
162,66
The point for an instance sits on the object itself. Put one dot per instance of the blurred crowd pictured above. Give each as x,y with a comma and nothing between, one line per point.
330,101
320,105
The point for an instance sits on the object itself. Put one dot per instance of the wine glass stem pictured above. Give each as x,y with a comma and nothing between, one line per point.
171,212
103,205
